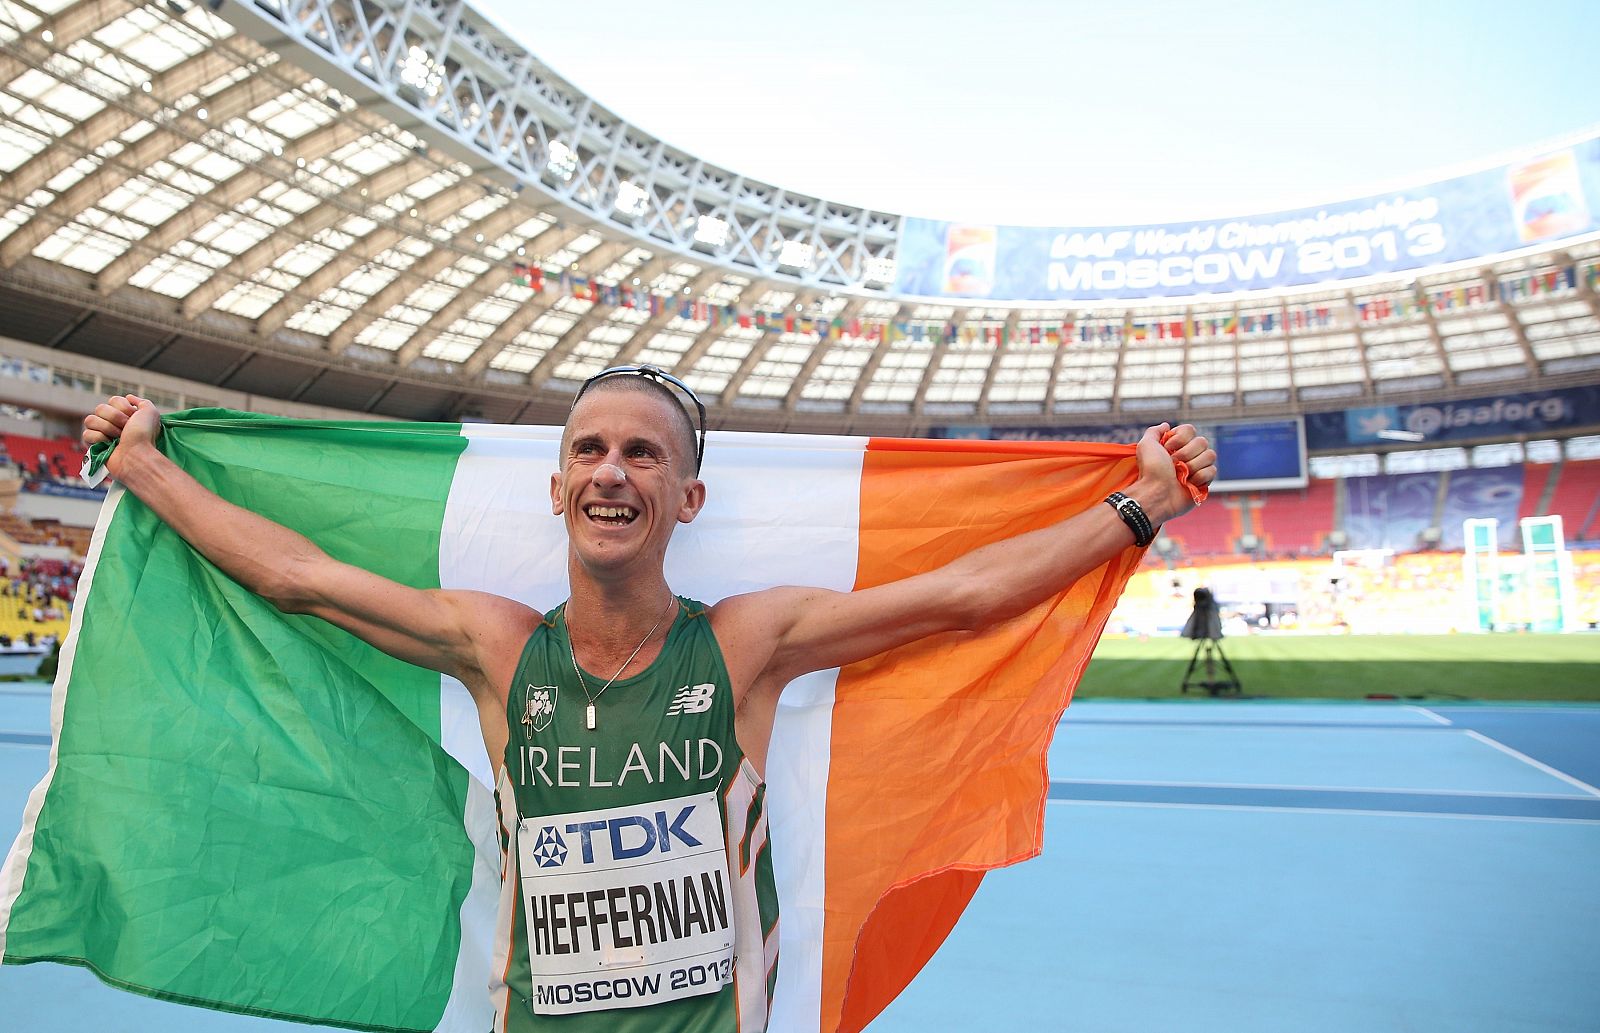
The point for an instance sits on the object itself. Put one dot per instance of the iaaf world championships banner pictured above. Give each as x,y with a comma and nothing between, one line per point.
1540,199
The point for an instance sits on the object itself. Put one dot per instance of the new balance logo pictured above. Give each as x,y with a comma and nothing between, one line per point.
692,699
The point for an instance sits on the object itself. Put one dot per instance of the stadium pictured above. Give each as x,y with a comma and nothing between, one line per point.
344,210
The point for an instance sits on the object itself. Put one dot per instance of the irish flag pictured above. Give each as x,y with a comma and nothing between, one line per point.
259,813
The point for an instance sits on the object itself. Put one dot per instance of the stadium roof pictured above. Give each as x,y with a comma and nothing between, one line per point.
387,207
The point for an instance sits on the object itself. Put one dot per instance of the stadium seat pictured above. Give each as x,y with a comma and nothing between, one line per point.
1296,521
1535,479
1577,497
1211,530
63,456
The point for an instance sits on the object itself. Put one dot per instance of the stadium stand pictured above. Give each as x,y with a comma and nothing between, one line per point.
60,457
1296,521
1577,497
594,244
1417,592
46,532
1211,530
1536,481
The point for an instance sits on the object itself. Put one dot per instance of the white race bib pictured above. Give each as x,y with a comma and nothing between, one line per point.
627,906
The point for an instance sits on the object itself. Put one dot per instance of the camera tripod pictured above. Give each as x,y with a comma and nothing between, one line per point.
1209,651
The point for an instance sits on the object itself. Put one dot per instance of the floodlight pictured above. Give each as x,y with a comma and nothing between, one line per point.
561,160
880,270
795,254
710,231
419,71
632,199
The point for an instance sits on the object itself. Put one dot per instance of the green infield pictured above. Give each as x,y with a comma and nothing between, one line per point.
1486,667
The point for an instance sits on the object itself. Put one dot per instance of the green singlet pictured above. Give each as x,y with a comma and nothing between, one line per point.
637,891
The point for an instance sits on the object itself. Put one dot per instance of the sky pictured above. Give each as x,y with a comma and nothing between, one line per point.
1061,112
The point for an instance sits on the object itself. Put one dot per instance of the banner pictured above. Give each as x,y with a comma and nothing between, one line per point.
1539,199
1496,416
66,491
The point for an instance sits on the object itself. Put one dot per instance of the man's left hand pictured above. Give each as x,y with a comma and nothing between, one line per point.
1157,489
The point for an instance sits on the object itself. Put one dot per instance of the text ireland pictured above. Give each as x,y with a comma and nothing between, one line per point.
573,767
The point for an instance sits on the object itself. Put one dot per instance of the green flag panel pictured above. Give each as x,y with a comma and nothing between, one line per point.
238,866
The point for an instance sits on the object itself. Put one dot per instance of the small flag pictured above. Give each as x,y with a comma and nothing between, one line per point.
528,276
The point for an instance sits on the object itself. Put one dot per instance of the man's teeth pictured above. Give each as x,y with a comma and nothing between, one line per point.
610,513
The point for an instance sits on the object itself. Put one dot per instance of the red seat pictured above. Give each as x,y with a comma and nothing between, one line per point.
1577,496
1535,478
1211,530
1296,520
63,456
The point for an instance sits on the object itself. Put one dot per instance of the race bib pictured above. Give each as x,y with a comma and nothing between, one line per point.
627,906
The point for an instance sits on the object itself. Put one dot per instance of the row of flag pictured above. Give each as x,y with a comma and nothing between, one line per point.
1405,306
1548,282
1307,317
1054,333
1448,299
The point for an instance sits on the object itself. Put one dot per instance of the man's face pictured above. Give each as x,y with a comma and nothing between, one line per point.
625,482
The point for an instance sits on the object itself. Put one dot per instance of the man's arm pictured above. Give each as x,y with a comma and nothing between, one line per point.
783,633
469,635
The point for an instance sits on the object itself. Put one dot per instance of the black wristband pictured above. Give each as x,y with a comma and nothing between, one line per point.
1134,516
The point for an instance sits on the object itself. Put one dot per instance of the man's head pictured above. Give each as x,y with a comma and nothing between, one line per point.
688,442
628,473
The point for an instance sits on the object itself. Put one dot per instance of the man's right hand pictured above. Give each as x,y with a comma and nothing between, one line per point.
133,420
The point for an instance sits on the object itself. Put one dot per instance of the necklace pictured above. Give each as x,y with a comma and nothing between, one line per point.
588,716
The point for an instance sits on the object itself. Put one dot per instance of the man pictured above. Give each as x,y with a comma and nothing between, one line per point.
631,726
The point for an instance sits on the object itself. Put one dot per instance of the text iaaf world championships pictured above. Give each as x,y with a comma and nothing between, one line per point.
1324,244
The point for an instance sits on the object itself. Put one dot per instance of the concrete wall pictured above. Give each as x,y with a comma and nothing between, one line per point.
62,387
72,512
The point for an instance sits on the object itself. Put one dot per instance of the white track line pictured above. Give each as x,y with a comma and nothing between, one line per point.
1489,793
1430,715
1393,721
1547,769
1521,706
1327,810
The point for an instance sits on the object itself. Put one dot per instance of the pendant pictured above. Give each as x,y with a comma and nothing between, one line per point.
589,717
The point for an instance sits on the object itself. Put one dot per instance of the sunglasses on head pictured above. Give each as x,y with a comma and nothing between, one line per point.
660,376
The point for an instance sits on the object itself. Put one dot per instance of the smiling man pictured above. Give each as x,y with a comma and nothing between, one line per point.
631,725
